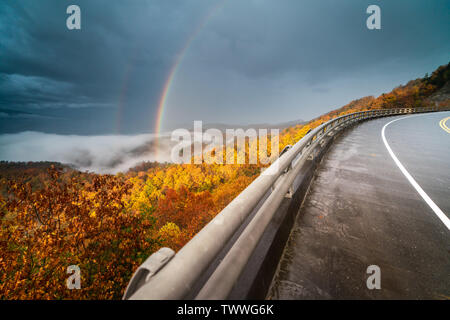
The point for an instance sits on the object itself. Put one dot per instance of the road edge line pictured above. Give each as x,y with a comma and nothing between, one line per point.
441,215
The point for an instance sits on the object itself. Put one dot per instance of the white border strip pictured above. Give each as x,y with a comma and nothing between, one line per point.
441,215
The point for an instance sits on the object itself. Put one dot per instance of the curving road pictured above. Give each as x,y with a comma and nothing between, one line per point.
381,196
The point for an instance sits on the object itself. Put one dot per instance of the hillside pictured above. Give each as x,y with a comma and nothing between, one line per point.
109,224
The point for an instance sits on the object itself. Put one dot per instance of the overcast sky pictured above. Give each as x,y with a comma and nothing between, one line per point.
252,61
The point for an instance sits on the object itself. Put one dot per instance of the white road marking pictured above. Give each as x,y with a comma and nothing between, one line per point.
441,215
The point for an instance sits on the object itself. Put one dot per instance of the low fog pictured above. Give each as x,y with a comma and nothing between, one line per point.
101,154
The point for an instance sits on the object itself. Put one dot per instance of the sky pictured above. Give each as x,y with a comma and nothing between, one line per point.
226,61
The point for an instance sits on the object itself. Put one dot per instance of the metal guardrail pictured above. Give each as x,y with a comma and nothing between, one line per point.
165,275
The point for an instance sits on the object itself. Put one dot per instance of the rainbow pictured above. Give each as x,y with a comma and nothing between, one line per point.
168,84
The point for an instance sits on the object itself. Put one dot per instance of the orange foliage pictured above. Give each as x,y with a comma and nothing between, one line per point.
65,223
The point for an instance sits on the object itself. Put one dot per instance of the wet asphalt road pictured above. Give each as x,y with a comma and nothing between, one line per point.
361,210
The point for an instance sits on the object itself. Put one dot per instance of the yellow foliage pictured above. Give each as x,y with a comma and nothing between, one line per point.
169,231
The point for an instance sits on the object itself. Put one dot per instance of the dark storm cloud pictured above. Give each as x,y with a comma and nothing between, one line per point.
120,57
255,60
298,59
265,38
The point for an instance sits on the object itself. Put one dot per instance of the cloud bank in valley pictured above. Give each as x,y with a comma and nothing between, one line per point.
102,154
